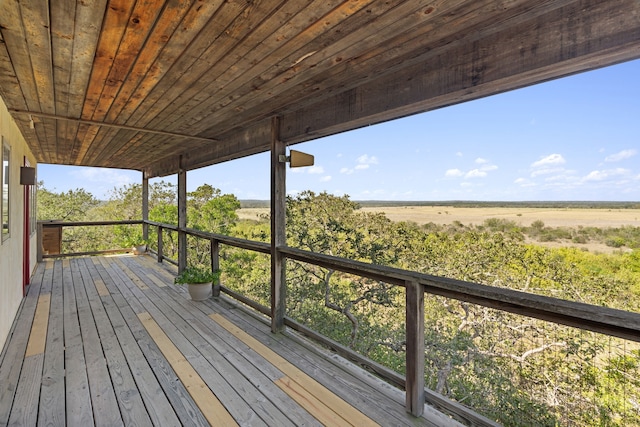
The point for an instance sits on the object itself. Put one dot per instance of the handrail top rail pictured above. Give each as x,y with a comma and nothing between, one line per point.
620,323
56,222
227,240
615,322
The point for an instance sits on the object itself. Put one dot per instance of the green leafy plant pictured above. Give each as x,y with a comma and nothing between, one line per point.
197,275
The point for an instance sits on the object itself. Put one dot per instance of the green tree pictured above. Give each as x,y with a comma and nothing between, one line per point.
73,205
210,210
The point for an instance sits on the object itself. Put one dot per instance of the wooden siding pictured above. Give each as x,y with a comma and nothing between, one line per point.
133,85
106,341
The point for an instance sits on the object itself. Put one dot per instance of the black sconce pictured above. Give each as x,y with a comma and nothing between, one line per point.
27,175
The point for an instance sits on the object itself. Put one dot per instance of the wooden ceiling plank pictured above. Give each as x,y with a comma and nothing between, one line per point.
9,85
139,27
176,80
195,20
169,20
62,39
114,157
115,22
88,23
85,137
97,148
62,35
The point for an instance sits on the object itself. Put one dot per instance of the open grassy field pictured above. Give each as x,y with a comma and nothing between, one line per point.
568,217
552,217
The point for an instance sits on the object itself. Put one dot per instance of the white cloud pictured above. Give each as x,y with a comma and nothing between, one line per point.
546,171
552,159
476,173
622,155
606,174
367,160
114,177
480,172
459,154
523,182
315,170
362,163
454,172
325,178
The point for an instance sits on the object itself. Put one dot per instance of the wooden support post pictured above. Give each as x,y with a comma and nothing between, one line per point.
182,220
145,206
415,348
160,246
278,236
215,264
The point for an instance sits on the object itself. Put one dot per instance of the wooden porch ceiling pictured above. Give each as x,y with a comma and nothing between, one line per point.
136,85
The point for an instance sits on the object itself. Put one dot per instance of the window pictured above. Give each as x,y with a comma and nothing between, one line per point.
6,162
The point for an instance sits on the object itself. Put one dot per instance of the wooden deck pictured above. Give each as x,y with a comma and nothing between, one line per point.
106,341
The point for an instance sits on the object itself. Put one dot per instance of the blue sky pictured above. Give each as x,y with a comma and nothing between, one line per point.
576,138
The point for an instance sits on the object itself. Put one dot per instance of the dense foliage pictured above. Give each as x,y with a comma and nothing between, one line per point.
516,370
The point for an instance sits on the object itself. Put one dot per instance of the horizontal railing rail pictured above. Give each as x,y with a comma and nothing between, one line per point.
609,321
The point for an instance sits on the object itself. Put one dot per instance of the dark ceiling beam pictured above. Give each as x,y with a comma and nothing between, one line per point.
111,125
252,140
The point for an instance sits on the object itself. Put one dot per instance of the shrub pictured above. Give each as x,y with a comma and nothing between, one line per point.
197,275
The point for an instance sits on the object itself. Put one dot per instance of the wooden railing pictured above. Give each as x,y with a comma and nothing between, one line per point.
44,226
603,320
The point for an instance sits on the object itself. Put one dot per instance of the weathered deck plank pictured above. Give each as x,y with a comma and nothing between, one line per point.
78,400
121,347
52,408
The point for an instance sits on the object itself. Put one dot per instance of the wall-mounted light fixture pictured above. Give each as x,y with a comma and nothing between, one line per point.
297,159
27,175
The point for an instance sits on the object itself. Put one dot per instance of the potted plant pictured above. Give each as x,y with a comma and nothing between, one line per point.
140,247
199,281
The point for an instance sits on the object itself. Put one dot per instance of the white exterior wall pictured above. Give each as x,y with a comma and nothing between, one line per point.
11,250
